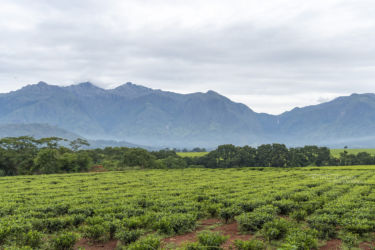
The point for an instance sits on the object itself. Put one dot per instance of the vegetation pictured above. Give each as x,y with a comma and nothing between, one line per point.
291,208
27,155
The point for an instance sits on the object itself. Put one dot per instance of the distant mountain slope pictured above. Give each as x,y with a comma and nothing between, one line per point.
44,130
35,130
134,113
345,120
159,118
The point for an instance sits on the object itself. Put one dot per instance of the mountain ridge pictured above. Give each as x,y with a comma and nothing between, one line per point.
159,118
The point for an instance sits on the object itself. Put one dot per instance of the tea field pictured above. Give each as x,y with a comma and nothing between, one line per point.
271,208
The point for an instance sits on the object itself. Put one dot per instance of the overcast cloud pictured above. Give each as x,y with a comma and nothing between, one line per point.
271,55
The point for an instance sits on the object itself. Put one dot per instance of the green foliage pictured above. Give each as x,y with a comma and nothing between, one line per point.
138,157
228,213
249,245
175,223
298,215
350,239
127,237
276,229
149,242
251,222
301,240
64,241
32,239
130,204
211,240
97,232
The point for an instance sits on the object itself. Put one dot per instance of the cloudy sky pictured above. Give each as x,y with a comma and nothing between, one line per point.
271,55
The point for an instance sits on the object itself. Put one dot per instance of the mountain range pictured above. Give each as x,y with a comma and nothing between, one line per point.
156,118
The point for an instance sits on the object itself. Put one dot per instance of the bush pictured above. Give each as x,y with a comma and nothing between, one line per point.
97,233
78,219
359,226
251,222
249,206
276,229
249,245
212,240
325,224
176,223
32,239
132,223
194,246
150,242
228,213
285,206
350,240
4,234
254,221
64,241
301,240
127,237
298,215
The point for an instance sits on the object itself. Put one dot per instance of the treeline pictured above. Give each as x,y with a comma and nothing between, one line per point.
27,155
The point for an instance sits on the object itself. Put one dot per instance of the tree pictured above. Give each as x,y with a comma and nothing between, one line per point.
139,157
78,143
46,161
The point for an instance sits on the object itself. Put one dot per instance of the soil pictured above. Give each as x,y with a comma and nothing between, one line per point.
230,230
87,245
367,245
334,244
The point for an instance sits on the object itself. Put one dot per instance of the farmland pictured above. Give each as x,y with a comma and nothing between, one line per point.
191,154
336,152
299,208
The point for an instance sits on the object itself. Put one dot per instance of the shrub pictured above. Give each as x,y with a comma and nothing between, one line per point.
211,240
285,206
194,246
249,206
149,242
325,224
78,219
132,223
64,241
127,237
228,213
253,221
175,223
298,215
350,239
276,229
359,226
97,233
301,240
32,239
4,234
249,245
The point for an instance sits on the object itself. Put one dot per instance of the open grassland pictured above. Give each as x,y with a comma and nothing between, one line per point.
336,152
192,154
300,208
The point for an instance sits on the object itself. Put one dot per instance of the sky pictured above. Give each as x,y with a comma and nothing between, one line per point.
270,55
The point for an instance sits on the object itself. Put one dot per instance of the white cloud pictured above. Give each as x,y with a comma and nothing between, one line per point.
271,55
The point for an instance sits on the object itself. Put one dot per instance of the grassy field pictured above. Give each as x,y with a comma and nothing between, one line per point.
191,154
136,209
336,152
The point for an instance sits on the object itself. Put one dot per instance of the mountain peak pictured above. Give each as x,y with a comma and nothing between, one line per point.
131,90
41,83
211,92
86,85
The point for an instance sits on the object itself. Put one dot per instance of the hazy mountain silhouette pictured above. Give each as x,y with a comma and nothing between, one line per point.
159,118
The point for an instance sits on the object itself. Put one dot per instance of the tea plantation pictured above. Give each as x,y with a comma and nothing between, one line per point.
299,208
